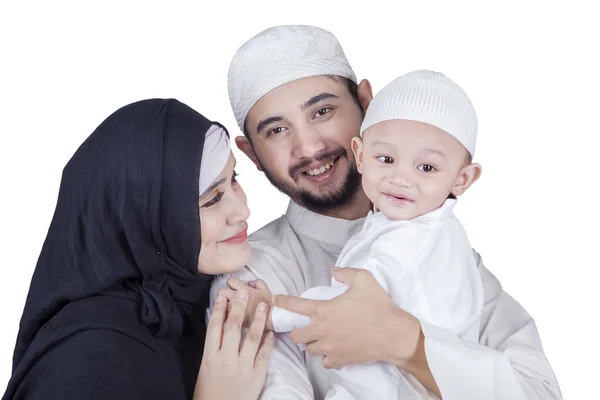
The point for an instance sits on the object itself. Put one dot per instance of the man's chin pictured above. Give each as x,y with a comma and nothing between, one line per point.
324,198
323,204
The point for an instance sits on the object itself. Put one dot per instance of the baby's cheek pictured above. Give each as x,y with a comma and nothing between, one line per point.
367,183
372,190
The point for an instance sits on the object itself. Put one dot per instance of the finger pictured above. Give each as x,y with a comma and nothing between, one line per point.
297,304
328,363
254,335
315,348
232,330
304,335
264,354
214,328
236,283
350,276
227,293
260,285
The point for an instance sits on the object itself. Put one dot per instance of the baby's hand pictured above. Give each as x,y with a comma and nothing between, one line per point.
258,293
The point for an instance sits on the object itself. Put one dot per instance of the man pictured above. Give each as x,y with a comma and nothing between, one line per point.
296,98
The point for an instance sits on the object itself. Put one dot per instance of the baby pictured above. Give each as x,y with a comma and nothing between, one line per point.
415,150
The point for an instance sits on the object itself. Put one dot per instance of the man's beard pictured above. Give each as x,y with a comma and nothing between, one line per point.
328,199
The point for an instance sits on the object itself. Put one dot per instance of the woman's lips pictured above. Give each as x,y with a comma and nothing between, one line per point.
238,238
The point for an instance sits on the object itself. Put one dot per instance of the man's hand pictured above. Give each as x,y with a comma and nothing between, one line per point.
258,293
362,325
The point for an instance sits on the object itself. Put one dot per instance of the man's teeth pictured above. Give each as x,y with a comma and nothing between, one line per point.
320,171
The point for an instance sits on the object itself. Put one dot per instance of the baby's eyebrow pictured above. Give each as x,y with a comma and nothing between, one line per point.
380,143
436,151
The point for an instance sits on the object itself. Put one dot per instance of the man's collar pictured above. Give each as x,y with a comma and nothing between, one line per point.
329,230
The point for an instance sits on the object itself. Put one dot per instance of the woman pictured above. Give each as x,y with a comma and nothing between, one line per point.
148,211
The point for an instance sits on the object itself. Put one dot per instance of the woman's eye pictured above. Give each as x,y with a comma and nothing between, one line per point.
214,200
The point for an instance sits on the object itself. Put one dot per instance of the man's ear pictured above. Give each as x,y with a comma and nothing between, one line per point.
357,149
245,146
467,176
365,94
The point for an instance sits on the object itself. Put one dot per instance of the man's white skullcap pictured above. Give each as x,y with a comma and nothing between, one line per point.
428,97
215,155
280,55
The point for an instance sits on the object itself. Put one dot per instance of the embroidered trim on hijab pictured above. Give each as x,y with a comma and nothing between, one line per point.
215,156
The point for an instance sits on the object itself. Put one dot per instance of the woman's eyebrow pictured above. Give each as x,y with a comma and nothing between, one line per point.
212,186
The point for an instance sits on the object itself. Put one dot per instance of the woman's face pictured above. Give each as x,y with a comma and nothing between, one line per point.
223,215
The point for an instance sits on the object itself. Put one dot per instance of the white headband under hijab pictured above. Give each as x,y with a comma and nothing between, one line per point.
215,156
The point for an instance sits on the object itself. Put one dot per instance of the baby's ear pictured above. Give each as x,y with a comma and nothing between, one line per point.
357,149
467,176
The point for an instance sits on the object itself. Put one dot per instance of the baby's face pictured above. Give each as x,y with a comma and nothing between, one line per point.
409,168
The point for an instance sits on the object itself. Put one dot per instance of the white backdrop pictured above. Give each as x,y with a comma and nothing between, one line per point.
529,67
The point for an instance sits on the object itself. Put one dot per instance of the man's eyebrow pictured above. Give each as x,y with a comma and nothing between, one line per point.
266,122
310,102
212,186
320,97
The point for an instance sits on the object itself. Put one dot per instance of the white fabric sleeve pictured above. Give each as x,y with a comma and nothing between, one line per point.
508,363
286,321
287,377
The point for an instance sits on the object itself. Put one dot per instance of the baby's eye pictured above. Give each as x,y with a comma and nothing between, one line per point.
386,159
426,168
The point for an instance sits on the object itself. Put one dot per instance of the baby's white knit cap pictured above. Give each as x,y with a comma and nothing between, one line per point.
280,55
429,97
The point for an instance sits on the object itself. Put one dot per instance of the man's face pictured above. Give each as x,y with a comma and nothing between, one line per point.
301,134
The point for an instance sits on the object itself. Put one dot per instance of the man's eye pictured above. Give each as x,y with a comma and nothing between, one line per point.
275,131
323,111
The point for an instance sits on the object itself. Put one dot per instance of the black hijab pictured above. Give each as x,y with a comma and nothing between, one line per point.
126,227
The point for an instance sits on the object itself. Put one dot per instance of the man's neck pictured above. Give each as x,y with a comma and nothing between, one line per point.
358,208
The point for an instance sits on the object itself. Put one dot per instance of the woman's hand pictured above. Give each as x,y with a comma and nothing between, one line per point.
230,371
258,292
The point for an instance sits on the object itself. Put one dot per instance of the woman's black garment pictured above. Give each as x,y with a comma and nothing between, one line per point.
116,305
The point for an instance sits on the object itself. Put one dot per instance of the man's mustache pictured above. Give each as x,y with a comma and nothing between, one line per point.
295,170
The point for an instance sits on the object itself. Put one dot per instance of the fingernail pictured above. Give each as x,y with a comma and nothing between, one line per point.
262,307
270,335
242,294
220,299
